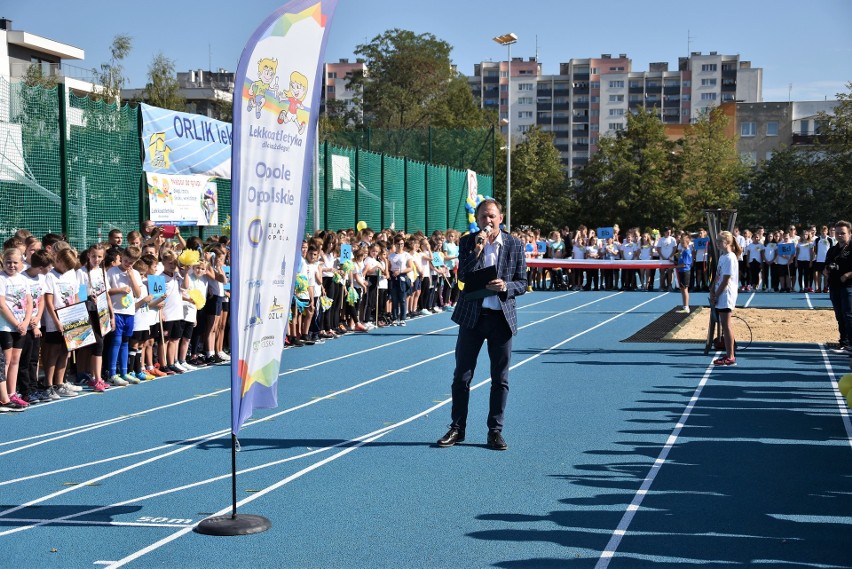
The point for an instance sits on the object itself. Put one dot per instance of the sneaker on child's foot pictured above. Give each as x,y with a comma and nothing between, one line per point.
174,368
725,362
141,376
15,398
73,387
155,372
33,398
11,407
64,390
116,381
95,384
130,378
52,394
223,356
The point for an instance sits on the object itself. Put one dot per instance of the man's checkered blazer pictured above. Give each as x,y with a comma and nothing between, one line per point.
511,268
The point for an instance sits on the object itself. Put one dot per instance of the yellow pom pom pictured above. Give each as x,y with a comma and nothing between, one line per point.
198,298
461,285
362,225
188,258
845,384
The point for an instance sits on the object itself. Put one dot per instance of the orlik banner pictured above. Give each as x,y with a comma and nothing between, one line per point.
183,143
276,101
182,200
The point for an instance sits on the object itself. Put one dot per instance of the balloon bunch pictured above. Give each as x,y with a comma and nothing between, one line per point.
470,207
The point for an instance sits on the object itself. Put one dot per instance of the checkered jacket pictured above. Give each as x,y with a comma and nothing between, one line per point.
511,268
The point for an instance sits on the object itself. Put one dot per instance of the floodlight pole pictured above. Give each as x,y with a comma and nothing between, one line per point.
508,40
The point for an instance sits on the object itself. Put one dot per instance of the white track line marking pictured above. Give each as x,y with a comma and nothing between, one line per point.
841,402
621,530
361,441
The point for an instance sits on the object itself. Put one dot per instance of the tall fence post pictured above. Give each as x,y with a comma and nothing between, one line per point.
426,197
327,159
63,158
382,190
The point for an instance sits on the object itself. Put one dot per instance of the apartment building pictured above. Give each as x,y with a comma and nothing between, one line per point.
591,97
766,127
335,82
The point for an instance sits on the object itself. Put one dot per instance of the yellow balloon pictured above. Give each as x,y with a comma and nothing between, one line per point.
845,384
471,218
362,225
461,285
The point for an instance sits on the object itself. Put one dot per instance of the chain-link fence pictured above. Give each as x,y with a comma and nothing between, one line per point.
73,165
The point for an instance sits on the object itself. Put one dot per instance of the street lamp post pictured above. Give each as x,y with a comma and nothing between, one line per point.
508,40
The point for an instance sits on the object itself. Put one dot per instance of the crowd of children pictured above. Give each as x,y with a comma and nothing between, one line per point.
163,310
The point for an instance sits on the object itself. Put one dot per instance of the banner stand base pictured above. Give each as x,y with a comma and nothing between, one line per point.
240,524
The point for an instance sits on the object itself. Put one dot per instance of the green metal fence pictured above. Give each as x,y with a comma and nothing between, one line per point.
73,165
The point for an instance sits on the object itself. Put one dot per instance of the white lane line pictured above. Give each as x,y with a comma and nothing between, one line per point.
361,441
188,444
621,530
841,402
750,298
808,298
219,433
52,436
109,422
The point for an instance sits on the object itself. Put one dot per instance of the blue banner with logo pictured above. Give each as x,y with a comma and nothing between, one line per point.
276,102
183,143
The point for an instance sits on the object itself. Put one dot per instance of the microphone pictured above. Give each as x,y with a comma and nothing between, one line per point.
480,239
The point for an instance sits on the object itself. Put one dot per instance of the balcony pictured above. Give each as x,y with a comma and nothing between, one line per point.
565,120
19,70
581,77
567,106
567,93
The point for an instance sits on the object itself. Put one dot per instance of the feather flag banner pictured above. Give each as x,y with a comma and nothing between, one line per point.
276,105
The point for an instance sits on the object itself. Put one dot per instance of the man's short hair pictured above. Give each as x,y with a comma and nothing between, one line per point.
489,201
843,223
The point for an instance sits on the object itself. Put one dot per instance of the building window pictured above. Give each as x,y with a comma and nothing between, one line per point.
594,70
708,82
525,100
595,85
616,84
616,112
524,114
769,155
524,128
772,129
708,67
595,126
504,74
708,96
616,98
594,113
595,99
616,126
635,84
686,84
332,75
748,128
525,87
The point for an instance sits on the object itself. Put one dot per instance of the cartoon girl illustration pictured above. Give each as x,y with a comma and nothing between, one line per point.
294,99
266,69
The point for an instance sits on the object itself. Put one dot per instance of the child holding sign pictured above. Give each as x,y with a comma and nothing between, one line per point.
62,286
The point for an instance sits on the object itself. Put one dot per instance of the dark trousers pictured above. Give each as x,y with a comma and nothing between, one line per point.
492,327
841,299
28,368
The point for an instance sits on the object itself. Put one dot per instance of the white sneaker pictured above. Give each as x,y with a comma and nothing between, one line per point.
425,311
116,381
52,394
187,366
73,387
65,390
684,310
224,356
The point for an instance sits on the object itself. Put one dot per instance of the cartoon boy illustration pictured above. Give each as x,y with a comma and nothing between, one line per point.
294,98
266,69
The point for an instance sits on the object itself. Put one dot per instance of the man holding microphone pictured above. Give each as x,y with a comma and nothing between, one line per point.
491,318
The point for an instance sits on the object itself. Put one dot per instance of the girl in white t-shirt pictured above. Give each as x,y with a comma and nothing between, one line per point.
62,286
723,292
16,310
401,269
805,262
90,359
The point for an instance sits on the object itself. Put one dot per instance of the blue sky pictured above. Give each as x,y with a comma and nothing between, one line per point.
804,44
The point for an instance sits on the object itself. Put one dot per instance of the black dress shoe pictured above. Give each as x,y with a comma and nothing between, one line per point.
496,441
452,437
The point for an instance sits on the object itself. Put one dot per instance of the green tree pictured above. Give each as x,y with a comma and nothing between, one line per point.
776,194
712,169
36,77
163,89
632,179
411,84
110,75
539,190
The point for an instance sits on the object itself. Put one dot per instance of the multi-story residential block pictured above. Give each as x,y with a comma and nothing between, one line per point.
20,50
208,93
764,128
336,82
591,97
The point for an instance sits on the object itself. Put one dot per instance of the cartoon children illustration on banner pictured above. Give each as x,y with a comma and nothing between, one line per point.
266,69
294,98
